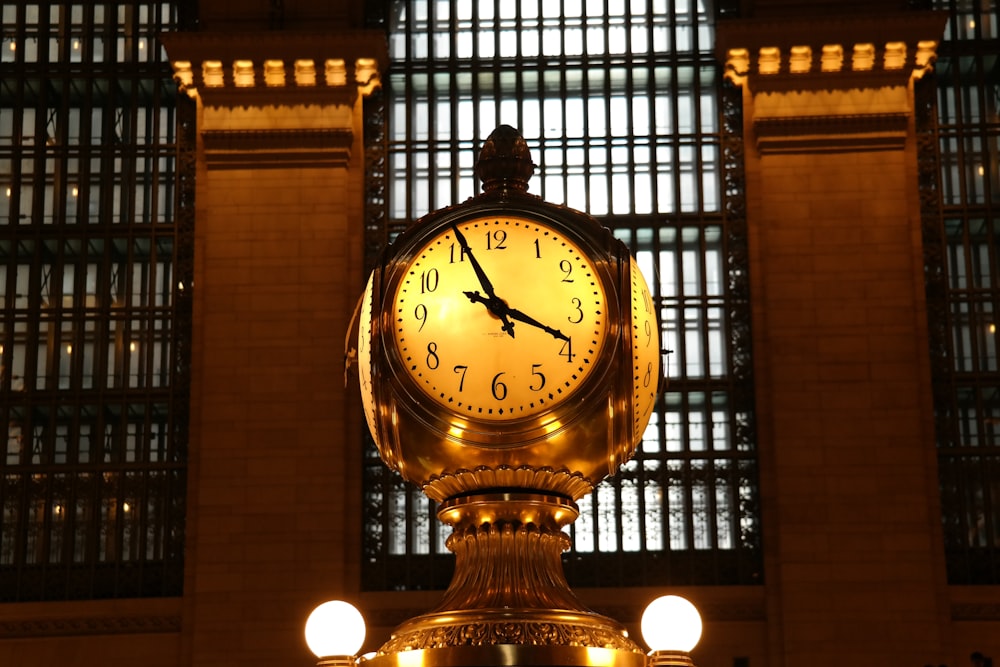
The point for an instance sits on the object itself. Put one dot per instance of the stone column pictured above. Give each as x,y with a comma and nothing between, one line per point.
274,498
854,563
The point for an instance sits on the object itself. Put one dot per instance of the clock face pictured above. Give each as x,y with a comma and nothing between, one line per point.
645,353
499,318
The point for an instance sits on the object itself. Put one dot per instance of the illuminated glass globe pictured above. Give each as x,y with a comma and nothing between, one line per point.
335,628
671,623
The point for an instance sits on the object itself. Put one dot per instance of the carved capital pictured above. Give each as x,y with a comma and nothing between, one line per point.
560,482
277,99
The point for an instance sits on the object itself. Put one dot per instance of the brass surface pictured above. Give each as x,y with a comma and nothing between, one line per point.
508,486
509,655
670,659
509,596
587,436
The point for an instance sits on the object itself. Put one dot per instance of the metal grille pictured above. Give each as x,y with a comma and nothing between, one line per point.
622,107
961,186
96,220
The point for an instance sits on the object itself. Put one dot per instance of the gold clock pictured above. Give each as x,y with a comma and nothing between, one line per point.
499,317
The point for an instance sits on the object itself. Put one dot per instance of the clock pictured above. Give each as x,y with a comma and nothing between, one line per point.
500,317
507,343
645,345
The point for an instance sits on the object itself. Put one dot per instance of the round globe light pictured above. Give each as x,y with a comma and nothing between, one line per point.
335,628
671,623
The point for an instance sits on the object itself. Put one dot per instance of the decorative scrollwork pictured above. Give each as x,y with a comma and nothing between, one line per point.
509,631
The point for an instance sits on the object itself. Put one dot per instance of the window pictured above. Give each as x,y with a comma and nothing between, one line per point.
95,241
622,107
961,234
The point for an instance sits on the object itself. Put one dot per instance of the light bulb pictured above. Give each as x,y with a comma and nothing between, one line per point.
335,628
671,623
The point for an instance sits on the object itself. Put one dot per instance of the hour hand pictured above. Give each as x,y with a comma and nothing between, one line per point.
496,306
527,319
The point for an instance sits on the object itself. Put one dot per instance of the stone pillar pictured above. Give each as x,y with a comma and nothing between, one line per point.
854,563
274,498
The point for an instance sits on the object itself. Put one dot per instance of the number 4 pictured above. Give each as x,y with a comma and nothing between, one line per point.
567,350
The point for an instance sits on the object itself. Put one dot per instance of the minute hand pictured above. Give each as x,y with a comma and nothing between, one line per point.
483,279
493,304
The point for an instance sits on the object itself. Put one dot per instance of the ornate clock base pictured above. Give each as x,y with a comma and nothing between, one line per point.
509,602
509,637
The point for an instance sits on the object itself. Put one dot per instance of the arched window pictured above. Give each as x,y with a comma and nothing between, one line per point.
95,238
624,109
960,145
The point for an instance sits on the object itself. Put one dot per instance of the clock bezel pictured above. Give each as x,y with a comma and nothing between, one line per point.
599,246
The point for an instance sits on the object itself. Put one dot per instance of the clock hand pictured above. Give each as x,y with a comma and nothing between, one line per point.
496,306
516,314
493,304
527,319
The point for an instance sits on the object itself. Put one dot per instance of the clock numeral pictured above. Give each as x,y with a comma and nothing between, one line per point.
649,332
647,301
648,377
567,268
429,281
432,358
577,304
567,350
499,388
461,380
420,312
451,253
497,240
541,378
538,250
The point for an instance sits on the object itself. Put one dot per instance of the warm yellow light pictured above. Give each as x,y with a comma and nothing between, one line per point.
737,64
243,73
142,44
981,170
800,60
305,73
993,329
335,71
131,346
126,507
335,628
671,623
69,349
274,72
13,46
76,45
832,58
57,509
600,657
863,58
895,55
8,192
769,60
211,73
972,23
76,191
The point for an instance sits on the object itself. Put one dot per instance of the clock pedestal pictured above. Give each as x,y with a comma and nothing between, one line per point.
509,602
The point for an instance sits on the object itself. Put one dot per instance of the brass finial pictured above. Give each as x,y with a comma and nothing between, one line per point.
505,161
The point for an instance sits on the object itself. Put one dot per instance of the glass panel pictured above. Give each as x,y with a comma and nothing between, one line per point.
963,294
89,238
